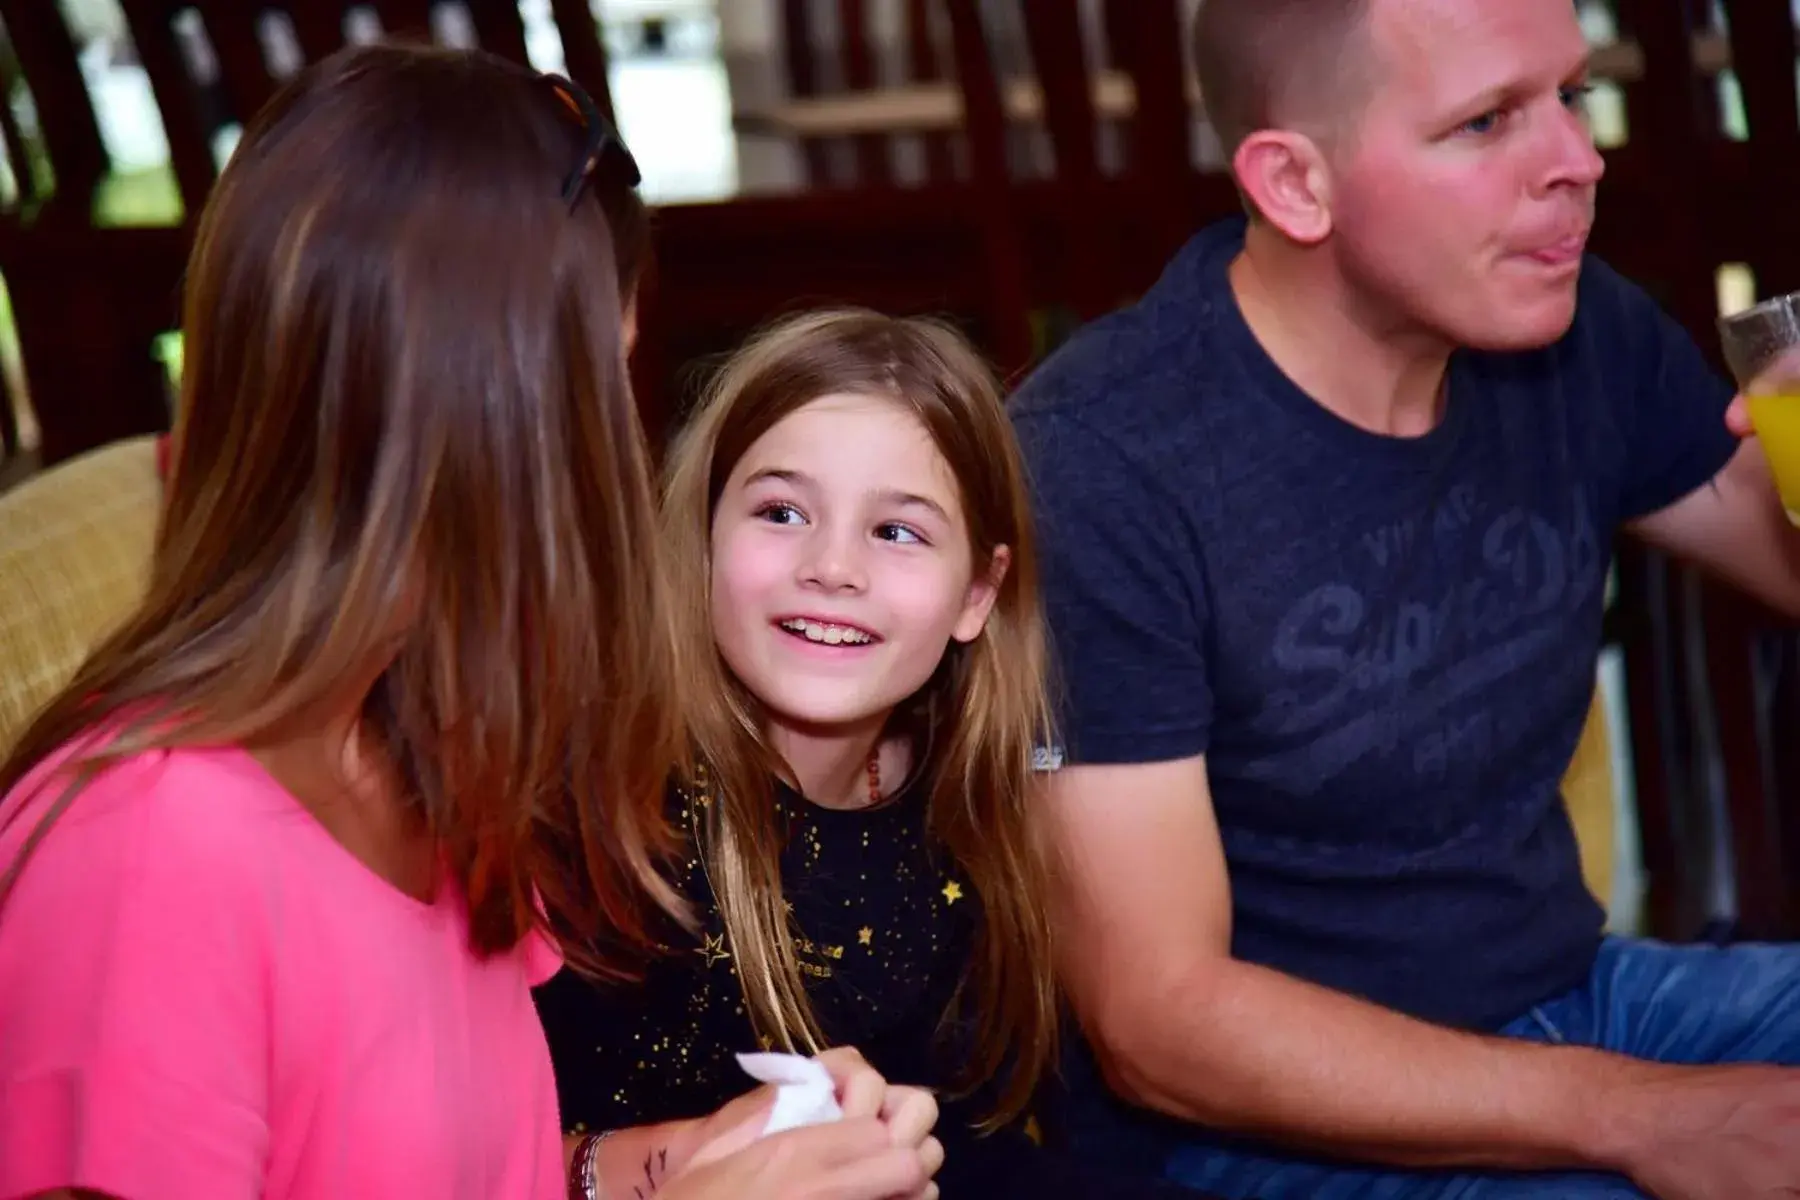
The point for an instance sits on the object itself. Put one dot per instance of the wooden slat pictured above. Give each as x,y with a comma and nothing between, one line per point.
47,57
583,50
1053,31
318,26
177,98
406,19
800,45
499,28
13,137
874,166
1661,111
1764,889
1762,54
1785,756
1002,247
88,303
1665,127
231,27
1148,36
924,66
1652,679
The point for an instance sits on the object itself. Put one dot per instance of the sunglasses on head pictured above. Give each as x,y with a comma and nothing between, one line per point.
603,140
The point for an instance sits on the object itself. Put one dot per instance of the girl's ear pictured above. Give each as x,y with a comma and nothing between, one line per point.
984,589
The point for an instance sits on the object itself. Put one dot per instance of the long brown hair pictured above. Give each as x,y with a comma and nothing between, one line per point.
404,392
982,714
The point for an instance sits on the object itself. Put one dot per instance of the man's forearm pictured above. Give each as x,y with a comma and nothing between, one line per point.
1254,1051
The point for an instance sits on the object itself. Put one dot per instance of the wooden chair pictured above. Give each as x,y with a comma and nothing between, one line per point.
249,75
813,70
947,243
1693,647
86,304
1121,226
89,302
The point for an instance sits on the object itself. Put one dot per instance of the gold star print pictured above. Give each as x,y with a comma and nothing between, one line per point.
952,892
714,951
865,935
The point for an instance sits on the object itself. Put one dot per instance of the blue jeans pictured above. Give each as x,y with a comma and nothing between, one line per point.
1672,1004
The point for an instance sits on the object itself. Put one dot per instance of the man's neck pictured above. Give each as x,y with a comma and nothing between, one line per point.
1375,373
831,765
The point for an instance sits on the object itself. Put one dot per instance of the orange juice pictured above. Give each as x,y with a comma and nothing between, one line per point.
1776,416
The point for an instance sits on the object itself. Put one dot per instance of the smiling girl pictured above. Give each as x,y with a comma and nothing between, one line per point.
847,522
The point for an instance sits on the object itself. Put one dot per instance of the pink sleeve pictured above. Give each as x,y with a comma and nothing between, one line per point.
132,995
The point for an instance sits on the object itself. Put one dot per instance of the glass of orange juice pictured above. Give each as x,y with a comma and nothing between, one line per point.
1762,348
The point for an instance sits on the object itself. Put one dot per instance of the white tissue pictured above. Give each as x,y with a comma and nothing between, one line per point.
804,1093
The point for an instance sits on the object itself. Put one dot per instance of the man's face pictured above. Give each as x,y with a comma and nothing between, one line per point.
1463,197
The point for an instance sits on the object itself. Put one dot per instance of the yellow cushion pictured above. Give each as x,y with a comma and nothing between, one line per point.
75,544
1588,791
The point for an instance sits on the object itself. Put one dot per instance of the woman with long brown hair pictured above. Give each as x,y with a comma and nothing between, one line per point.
388,734
863,665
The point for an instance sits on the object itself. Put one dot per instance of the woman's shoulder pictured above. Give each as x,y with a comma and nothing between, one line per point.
195,810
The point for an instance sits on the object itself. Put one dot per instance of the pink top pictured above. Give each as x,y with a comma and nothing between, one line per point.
202,994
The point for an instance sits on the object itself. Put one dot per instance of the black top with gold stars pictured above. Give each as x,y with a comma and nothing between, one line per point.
882,929
884,926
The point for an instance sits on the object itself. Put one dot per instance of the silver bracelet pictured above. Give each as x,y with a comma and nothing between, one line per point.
584,1171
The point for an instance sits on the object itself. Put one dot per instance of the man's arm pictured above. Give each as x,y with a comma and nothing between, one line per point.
1181,1027
1735,528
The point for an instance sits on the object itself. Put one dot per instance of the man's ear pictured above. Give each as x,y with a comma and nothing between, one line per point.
1285,175
978,603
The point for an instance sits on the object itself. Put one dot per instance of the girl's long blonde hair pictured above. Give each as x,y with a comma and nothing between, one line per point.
975,724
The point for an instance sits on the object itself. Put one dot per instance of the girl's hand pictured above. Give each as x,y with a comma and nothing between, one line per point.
907,1113
910,1113
852,1159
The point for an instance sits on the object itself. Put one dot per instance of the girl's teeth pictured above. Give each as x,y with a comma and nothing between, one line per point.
830,635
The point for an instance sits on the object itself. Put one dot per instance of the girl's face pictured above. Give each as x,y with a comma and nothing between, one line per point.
841,564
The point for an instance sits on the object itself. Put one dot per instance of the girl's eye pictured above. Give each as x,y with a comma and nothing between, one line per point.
780,513
893,531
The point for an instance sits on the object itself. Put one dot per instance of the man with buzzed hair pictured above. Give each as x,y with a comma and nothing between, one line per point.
1279,63
1326,521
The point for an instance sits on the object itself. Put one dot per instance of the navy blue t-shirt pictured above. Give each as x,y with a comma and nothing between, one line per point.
1385,647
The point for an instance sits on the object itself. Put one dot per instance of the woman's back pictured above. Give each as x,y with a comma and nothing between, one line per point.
221,962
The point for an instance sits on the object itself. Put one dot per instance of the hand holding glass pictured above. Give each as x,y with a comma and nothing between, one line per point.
1762,348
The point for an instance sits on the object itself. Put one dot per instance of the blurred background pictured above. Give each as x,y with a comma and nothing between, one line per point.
1018,165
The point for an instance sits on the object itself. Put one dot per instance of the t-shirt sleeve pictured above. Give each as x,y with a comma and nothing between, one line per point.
133,1002
1672,402
1123,586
